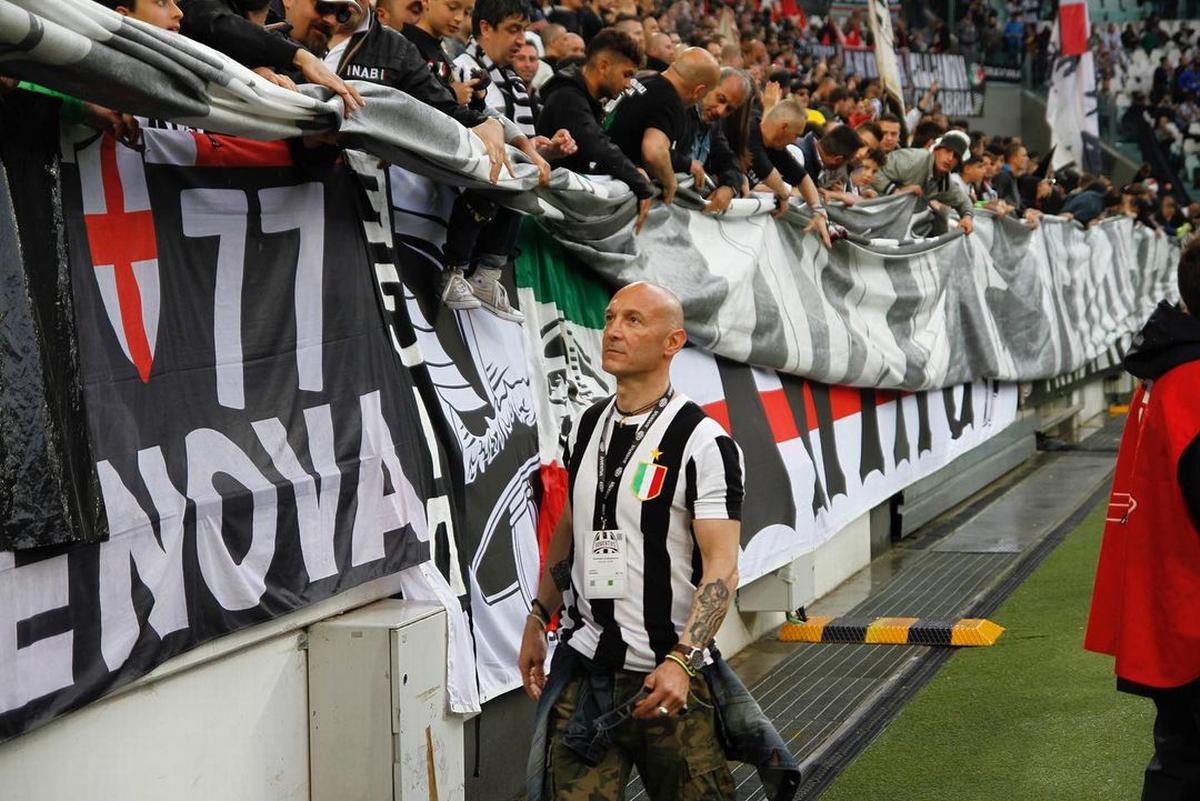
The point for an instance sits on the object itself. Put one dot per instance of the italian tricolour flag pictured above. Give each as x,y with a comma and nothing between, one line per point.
564,307
648,480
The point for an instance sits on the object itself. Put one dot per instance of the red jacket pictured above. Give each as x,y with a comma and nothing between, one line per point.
1146,602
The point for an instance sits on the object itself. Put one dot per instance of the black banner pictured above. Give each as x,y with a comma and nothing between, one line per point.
257,441
48,489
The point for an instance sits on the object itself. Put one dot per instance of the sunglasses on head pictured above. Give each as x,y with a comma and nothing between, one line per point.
340,11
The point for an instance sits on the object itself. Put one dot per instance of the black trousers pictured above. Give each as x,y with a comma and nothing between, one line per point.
1174,771
480,231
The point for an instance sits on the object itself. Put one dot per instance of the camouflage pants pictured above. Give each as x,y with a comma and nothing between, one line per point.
678,758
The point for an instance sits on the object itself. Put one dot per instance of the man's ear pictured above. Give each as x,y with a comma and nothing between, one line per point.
383,15
675,341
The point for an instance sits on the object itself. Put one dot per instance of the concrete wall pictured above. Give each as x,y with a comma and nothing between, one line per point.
227,721
234,729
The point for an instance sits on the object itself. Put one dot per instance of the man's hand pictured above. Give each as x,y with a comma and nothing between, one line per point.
491,133
771,95
967,224
124,127
315,71
271,76
911,189
543,167
464,90
782,204
643,210
668,191
559,146
820,227
999,207
697,173
668,686
719,200
532,660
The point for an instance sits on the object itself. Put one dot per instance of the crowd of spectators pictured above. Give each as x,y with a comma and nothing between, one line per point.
734,99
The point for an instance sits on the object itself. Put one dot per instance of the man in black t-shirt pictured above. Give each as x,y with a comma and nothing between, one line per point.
651,118
573,100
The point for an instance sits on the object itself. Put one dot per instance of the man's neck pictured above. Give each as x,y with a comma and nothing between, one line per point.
634,392
592,82
500,62
424,25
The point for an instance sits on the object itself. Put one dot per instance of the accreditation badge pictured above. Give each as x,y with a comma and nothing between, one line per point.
604,566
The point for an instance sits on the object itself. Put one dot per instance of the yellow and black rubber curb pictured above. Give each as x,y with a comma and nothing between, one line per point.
893,631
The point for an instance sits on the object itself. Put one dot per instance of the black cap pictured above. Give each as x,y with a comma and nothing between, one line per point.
955,141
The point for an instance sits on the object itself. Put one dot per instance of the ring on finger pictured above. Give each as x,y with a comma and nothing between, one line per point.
663,712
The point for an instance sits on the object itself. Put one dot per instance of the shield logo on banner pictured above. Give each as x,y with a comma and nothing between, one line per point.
124,250
648,480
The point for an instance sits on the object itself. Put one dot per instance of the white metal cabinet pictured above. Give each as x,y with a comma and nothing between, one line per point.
379,725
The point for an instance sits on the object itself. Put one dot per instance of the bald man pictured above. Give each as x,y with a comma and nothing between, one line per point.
569,45
652,117
660,52
643,564
770,135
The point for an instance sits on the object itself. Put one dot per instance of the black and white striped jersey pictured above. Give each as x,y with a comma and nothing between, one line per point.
685,468
506,93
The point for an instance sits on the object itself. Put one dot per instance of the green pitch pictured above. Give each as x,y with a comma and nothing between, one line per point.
1033,718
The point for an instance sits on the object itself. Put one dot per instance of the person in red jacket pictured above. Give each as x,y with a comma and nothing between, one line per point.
1146,602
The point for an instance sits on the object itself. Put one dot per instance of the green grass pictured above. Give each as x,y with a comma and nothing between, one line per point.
1032,718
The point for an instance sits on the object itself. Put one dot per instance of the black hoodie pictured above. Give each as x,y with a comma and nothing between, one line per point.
566,103
1170,338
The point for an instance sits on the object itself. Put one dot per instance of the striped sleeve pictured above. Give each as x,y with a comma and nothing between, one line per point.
716,464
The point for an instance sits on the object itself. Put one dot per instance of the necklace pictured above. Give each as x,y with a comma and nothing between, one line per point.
640,410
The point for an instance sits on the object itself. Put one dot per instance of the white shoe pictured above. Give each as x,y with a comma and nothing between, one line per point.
494,297
457,293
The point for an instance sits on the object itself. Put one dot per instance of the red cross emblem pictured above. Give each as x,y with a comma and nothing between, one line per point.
124,250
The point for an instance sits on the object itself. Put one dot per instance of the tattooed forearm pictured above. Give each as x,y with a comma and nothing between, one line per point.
708,610
561,573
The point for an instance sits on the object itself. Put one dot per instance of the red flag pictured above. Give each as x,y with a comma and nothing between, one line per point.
1073,27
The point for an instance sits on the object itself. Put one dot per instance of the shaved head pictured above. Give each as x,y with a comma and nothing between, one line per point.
643,330
550,32
788,111
695,71
659,46
783,123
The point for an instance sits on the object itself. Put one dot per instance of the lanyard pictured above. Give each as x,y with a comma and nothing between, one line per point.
605,487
